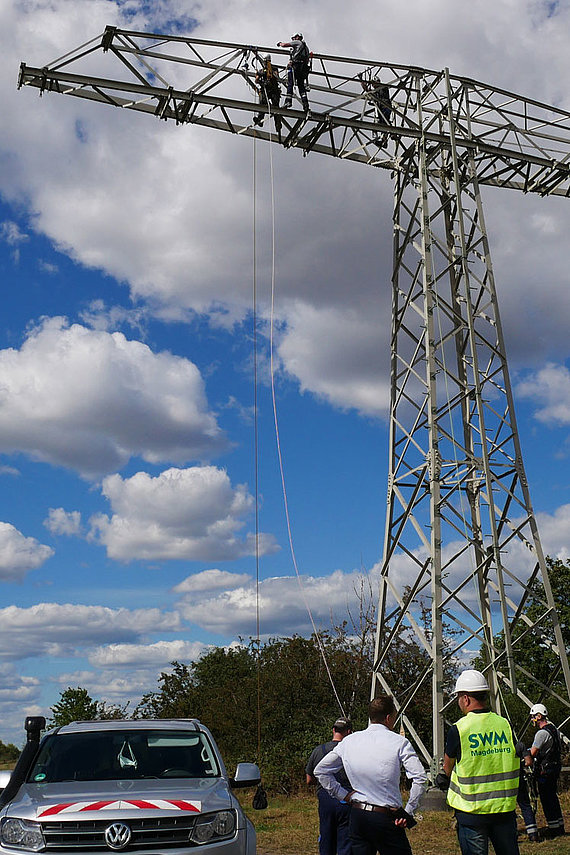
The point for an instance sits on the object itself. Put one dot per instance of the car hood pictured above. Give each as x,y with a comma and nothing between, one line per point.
74,800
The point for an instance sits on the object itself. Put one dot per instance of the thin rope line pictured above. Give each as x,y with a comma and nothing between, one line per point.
276,422
256,453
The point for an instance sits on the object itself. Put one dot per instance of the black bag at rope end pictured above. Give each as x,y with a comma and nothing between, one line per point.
259,799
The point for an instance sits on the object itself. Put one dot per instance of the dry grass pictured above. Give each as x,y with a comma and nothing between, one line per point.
290,826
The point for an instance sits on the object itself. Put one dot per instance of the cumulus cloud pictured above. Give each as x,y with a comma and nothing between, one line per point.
89,400
340,355
157,655
56,629
211,580
60,521
112,685
19,697
555,532
19,554
282,604
549,389
17,688
193,514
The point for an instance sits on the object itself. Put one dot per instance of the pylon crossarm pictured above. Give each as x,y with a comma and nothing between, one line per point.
501,131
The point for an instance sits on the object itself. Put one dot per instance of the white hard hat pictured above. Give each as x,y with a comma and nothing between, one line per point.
538,709
471,681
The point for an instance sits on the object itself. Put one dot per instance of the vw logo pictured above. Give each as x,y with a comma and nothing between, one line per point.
118,835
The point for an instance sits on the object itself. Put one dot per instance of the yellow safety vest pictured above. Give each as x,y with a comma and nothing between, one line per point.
486,778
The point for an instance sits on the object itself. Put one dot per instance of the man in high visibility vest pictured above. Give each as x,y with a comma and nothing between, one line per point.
483,771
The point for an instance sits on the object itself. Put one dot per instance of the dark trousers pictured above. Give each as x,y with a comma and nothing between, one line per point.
523,802
375,832
274,95
297,74
333,825
549,800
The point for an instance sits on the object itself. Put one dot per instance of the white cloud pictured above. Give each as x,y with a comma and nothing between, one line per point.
19,554
16,688
60,521
282,605
211,580
9,470
555,532
48,267
549,389
56,629
111,685
19,697
340,354
12,234
193,514
89,400
160,654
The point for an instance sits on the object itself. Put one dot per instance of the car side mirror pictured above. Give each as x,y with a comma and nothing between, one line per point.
247,775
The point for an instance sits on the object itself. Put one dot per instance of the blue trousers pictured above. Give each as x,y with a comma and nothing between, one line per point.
333,825
523,801
475,839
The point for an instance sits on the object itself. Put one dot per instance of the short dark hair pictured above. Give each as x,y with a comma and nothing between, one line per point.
380,708
481,697
342,725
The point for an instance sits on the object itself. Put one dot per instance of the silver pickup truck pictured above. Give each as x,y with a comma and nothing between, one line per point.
140,787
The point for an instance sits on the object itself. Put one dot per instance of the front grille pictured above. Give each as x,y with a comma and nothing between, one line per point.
166,832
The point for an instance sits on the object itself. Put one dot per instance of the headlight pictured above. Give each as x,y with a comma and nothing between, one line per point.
22,833
213,827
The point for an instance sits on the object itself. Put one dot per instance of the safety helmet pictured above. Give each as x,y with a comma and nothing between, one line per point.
471,681
267,57
297,36
538,709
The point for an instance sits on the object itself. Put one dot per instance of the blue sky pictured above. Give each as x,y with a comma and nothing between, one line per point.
126,433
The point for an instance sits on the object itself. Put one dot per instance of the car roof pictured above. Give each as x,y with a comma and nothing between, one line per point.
132,724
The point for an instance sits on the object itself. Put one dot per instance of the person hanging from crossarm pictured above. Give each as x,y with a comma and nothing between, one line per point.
297,70
378,94
267,81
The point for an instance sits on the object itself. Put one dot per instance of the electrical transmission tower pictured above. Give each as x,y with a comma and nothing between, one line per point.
461,534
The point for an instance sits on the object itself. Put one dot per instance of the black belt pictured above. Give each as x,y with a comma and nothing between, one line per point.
373,808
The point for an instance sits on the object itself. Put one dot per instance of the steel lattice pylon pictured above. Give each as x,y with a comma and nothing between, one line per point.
460,534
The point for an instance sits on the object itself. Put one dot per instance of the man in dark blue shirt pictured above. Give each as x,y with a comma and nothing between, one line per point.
333,815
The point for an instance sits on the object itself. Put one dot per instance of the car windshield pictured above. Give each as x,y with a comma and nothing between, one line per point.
109,755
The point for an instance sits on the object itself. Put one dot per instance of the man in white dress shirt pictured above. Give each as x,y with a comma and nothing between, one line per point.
373,760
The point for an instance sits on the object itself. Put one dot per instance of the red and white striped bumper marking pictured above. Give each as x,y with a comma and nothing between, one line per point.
121,804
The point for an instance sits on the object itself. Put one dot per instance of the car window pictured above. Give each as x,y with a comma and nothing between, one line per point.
133,754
